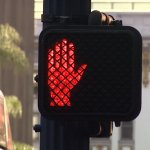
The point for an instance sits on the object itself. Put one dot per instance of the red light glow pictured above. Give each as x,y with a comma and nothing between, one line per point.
61,74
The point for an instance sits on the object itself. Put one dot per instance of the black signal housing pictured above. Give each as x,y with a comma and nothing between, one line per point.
105,76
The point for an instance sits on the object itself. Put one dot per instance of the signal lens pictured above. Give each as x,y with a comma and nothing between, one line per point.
61,74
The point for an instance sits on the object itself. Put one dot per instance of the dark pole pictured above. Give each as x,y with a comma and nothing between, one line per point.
67,7
77,11
56,135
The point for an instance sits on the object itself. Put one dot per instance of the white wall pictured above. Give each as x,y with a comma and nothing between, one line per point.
142,128
115,138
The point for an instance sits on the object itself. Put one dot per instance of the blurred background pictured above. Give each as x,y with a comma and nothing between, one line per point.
20,26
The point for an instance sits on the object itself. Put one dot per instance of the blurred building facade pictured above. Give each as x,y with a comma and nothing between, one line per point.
19,14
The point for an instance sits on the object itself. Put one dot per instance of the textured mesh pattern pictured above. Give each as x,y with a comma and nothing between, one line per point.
91,73
61,74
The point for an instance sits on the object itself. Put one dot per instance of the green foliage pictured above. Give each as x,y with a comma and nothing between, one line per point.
10,50
9,34
14,106
22,146
11,54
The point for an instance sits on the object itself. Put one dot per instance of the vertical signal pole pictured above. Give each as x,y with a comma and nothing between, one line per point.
58,135
75,10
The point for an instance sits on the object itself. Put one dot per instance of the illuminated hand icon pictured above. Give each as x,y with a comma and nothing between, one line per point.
61,74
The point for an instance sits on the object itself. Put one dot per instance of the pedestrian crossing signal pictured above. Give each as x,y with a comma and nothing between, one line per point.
90,72
62,76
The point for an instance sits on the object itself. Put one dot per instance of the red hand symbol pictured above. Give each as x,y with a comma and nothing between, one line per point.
61,74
